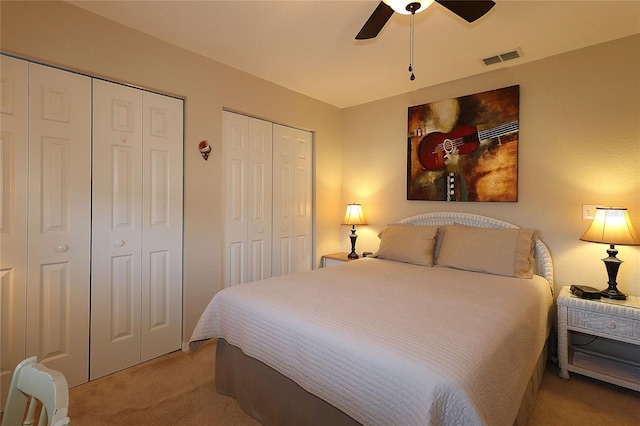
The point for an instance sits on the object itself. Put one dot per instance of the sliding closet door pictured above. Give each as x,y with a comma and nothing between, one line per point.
59,220
161,225
247,145
292,200
117,228
14,131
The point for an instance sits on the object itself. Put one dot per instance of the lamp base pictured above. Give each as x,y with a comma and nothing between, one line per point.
353,237
612,263
613,293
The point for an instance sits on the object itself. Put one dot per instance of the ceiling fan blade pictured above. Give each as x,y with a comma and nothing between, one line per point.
376,22
469,10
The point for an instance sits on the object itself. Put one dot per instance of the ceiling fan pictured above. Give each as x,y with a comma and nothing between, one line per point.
469,10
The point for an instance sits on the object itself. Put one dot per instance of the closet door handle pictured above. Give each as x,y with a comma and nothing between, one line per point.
261,231
62,248
119,243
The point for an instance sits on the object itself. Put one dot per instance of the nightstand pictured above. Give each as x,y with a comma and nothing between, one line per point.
334,259
617,321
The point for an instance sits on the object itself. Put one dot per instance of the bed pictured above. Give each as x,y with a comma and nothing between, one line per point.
447,324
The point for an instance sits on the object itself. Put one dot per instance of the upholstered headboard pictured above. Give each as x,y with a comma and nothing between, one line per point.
543,264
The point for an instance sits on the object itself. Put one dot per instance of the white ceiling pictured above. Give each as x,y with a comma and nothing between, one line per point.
309,46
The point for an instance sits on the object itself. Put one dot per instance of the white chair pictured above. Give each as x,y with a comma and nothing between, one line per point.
42,386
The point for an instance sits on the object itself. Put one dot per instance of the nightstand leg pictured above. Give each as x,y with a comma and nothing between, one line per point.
563,343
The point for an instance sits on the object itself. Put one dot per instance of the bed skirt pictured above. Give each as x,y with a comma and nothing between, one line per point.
267,395
274,399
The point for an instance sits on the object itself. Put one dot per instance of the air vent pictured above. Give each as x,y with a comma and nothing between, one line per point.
502,57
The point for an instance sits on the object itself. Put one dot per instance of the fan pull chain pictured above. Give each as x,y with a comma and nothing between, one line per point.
413,77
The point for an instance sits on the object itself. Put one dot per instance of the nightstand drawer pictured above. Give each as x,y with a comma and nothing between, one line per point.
609,324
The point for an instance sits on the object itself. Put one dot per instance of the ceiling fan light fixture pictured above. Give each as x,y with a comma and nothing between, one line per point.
408,7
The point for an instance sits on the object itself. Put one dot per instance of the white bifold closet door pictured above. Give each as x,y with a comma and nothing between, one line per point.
14,170
45,219
267,204
59,231
247,207
136,268
292,200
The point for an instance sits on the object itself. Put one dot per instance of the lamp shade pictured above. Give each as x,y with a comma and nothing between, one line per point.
611,226
400,6
354,215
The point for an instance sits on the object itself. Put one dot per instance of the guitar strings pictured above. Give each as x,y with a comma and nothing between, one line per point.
494,132
500,130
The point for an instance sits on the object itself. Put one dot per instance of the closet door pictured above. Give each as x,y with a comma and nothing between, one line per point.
59,229
136,297
247,146
235,136
117,228
303,201
161,225
14,131
292,200
259,200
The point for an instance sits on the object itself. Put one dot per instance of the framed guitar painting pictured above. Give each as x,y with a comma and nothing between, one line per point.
465,149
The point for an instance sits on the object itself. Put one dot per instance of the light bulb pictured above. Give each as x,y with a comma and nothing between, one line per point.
400,6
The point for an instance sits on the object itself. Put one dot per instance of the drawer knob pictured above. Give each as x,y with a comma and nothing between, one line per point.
611,325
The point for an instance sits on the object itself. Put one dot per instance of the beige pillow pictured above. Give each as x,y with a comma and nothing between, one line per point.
496,251
407,243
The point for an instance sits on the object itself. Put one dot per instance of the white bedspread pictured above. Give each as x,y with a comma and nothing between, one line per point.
390,343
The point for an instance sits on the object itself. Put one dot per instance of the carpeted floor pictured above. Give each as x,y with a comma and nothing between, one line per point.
175,389
178,389
583,401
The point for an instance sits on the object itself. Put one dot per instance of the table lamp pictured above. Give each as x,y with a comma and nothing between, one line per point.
354,216
612,226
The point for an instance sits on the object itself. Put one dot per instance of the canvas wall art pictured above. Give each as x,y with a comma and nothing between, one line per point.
465,149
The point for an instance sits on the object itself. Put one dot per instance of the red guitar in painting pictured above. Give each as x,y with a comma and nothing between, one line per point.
466,139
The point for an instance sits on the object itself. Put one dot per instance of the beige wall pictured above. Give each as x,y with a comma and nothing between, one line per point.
579,144
60,34
579,139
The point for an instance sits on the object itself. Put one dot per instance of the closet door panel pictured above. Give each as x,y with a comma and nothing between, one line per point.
14,130
302,201
259,202
283,187
117,228
283,224
162,225
292,200
235,134
59,220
